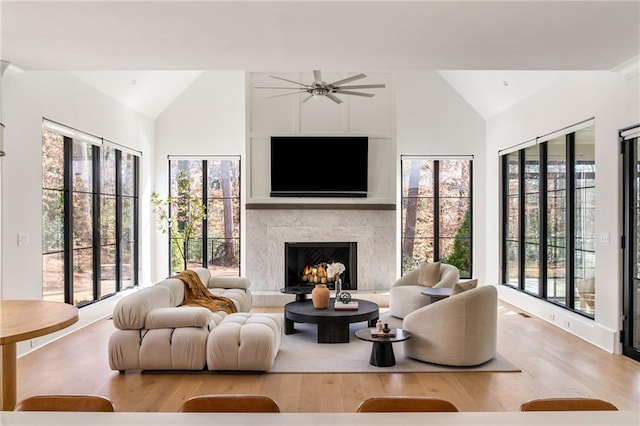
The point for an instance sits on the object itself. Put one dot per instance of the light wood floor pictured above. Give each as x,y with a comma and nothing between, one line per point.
554,363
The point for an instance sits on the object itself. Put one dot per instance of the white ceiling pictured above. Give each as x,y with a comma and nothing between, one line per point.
143,41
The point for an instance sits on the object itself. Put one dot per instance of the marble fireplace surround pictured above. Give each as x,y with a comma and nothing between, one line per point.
269,228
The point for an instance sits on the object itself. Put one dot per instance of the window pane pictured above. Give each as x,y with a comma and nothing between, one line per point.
513,262
532,219
82,276
512,237
127,265
52,220
82,167
557,220
455,178
82,220
585,295
556,274
108,270
223,209
584,221
108,171
417,178
186,184
127,173
53,277
127,244
52,160
108,246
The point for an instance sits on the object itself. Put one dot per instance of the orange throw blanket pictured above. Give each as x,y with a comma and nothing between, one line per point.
196,294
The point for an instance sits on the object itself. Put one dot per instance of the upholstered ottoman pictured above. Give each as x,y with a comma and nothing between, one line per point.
245,342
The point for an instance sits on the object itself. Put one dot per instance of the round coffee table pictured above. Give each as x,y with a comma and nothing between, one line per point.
333,325
382,350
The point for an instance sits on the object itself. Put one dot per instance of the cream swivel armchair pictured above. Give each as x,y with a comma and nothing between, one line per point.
458,331
405,296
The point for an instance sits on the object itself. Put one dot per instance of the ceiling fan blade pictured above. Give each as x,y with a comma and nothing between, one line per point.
307,98
279,87
317,77
346,92
334,98
290,81
348,79
285,94
362,86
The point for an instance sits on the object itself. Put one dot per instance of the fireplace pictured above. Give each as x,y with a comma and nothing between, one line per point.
306,263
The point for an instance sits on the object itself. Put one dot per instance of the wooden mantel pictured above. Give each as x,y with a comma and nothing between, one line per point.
319,206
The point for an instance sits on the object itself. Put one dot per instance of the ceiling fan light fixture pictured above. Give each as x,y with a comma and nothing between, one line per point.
321,88
319,91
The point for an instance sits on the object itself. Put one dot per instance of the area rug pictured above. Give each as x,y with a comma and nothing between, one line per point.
300,353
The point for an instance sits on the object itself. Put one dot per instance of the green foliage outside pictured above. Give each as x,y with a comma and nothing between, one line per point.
460,256
179,217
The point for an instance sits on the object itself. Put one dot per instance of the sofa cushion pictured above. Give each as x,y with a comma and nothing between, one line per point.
175,287
184,316
464,286
228,282
131,311
244,341
429,274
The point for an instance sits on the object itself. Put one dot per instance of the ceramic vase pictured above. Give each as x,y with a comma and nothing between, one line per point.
320,296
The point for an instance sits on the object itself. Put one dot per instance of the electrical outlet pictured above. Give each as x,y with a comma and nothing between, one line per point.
34,343
604,237
552,317
23,239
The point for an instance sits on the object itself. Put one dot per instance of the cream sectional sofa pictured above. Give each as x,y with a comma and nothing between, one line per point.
153,332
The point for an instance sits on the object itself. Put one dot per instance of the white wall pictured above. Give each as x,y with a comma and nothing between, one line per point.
207,119
433,119
614,101
58,96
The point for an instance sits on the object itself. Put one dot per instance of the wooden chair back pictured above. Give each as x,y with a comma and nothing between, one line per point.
567,404
238,403
405,403
93,403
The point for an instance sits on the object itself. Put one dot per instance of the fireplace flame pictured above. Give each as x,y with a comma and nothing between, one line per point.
317,274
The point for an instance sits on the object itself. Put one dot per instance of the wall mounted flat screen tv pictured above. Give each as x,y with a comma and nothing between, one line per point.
319,166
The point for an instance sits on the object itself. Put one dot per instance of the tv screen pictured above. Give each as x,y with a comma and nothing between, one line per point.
319,166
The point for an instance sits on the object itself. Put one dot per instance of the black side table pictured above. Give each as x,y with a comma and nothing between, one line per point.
382,350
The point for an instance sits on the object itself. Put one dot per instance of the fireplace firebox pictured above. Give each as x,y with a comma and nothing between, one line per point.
306,264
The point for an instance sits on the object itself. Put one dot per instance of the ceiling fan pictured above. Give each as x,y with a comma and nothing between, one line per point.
321,88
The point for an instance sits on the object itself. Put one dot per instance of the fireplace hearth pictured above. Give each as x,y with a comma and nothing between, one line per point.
306,264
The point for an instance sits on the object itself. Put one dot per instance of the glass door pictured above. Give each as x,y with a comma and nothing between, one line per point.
631,291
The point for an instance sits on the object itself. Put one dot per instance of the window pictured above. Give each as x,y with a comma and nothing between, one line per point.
436,212
215,181
630,333
90,210
548,247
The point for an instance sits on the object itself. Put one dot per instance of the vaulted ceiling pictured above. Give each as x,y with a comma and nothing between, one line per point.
493,42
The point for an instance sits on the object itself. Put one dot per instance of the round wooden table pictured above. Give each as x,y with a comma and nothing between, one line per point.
23,320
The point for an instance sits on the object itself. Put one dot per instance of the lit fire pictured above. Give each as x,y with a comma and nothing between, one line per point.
317,274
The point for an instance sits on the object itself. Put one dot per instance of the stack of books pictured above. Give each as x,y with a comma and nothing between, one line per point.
351,306
376,333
